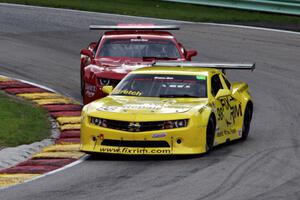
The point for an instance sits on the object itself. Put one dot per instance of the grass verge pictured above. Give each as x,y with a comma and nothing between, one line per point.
168,10
21,122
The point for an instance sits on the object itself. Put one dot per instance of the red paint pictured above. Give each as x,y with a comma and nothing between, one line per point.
13,84
29,169
95,67
68,140
65,114
47,162
70,134
64,107
24,90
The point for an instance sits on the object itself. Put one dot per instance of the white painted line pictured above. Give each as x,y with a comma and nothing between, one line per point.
41,86
31,83
52,172
166,20
83,158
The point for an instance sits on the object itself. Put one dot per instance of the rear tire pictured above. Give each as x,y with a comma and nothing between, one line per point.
246,122
210,134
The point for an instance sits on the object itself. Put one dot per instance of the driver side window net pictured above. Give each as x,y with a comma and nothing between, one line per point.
216,84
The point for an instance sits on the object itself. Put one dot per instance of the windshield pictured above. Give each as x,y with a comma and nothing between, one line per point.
168,86
139,48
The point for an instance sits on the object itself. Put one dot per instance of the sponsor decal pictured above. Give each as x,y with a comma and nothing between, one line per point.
90,90
159,135
142,106
163,78
139,40
235,111
128,92
226,132
240,132
201,77
126,150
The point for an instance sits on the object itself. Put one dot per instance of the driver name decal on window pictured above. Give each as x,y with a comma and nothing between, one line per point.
139,40
163,78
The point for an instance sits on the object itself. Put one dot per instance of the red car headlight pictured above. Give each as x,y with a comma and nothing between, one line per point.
104,81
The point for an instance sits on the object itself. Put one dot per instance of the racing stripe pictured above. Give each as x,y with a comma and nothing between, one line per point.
54,101
69,127
68,120
36,96
60,148
13,179
63,154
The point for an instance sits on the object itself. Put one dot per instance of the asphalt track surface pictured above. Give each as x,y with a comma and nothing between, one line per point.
43,45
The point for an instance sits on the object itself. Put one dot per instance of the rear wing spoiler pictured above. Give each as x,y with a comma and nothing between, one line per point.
220,66
134,27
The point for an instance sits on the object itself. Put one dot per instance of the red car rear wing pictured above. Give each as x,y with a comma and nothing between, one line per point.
134,27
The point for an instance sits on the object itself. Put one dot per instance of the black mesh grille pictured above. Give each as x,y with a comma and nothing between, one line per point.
135,127
127,143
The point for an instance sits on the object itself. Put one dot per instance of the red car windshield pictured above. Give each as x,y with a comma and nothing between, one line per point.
164,86
139,48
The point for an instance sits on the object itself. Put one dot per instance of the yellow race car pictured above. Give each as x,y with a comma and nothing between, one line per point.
169,108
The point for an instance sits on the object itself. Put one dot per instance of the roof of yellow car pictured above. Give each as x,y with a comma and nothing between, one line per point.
175,70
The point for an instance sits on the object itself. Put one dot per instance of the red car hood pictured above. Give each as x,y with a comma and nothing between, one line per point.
117,68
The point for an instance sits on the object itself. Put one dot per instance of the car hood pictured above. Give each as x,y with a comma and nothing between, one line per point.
131,107
117,68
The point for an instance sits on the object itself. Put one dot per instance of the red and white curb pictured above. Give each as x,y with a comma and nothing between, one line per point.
64,152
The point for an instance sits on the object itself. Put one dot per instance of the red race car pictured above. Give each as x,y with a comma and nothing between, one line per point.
123,48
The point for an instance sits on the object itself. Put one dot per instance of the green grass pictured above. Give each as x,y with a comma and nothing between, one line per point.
167,10
21,122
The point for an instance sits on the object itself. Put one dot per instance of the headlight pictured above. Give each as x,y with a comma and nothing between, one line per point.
175,124
104,81
99,122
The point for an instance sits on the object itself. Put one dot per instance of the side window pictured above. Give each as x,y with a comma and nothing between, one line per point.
227,82
215,84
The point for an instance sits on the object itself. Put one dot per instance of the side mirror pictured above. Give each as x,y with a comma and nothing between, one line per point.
107,89
87,53
191,53
223,93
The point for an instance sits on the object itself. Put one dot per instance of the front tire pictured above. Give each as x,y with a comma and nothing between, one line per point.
82,86
246,122
210,134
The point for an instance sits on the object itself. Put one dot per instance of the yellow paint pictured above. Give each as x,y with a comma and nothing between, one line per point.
55,101
68,120
61,148
36,96
67,143
225,111
63,154
69,126
13,179
3,78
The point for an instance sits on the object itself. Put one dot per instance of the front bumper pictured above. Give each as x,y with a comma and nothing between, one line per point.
188,140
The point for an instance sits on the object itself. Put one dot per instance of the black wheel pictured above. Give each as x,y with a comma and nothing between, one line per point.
81,84
210,134
246,122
